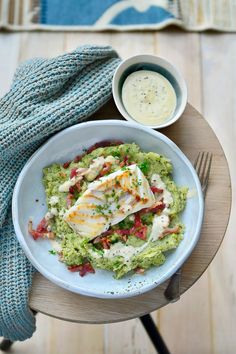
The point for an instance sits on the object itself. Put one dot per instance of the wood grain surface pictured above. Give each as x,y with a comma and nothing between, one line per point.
204,320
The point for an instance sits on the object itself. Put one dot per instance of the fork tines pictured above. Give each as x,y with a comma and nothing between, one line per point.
202,166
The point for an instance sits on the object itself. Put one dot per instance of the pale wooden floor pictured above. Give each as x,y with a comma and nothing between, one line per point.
204,320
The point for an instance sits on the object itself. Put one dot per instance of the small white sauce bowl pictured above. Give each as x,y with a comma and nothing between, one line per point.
153,63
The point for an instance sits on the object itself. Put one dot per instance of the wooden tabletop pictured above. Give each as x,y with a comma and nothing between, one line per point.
192,134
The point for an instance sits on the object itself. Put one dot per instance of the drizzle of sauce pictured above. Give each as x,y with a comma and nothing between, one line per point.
148,97
160,222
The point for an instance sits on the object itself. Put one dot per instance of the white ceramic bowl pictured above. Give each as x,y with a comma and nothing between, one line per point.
29,202
153,63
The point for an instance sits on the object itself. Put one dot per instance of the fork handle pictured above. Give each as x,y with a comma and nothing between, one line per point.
172,292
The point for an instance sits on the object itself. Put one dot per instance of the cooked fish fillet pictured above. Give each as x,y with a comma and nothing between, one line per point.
109,200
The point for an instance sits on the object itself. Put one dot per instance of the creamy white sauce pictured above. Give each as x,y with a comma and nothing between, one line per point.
49,215
89,173
54,211
94,254
148,97
160,223
119,249
95,168
69,183
54,200
97,165
111,159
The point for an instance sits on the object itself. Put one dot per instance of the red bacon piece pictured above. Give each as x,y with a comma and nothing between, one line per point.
156,189
78,158
106,168
141,232
123,232
74,268
66,164
78,186
42,226
41,230
104,143
73,172
83,269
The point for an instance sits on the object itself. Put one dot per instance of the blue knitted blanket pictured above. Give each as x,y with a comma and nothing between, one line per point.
47,95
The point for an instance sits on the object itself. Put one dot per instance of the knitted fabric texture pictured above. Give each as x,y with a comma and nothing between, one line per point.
47,95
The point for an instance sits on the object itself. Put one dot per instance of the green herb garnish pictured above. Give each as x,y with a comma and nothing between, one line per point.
52,252
144,167
116,154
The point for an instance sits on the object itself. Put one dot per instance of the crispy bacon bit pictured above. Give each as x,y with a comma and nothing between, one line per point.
73,172
104,240
106,168
154,209
42,226
124,238
82,268
104,143
72,190
137,220
78,186
141,232
66,164
169,231
156,189
158,207
123,232
86,268
106,243
125,162
41,230
138,198
78,158
35,234
74,268
139,270
69,198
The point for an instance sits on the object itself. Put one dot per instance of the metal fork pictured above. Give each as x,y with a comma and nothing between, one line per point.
202,166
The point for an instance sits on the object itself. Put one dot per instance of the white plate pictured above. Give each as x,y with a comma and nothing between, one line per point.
64,146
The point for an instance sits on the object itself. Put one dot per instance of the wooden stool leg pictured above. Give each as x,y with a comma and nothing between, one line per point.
5,344
154,334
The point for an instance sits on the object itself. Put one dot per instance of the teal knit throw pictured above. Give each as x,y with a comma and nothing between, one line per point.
47,95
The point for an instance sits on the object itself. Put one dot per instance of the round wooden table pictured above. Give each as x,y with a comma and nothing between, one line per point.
192,134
